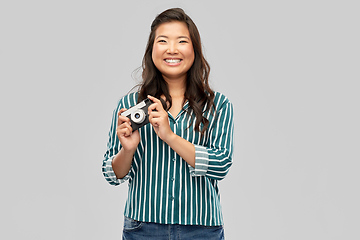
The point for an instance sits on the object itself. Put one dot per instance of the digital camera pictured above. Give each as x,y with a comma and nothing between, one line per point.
138,114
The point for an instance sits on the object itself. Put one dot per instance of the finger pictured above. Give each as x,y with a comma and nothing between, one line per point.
125,125
155,114
154,122
121,111
156,107
152,107
121,118
154,99
125,132
124,129
155,117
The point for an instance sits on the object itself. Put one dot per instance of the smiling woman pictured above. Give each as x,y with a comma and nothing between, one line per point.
173,164
196,90
173,53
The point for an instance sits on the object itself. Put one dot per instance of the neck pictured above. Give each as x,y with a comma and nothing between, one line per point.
176,87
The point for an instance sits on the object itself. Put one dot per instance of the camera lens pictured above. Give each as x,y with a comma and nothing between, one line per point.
138,116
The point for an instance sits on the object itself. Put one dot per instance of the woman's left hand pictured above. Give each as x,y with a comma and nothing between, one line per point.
159,119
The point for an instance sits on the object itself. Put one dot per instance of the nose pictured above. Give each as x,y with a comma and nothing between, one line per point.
172,49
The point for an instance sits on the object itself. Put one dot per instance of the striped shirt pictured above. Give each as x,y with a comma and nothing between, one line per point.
162,187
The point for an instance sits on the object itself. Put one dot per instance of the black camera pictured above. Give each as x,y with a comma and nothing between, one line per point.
138,114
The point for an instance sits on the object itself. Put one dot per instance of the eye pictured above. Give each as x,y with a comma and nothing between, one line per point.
183,41
162,41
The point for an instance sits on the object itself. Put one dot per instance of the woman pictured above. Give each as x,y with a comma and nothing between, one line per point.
173,164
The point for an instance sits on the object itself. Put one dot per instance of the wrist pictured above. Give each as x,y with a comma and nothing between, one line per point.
128,152
170,138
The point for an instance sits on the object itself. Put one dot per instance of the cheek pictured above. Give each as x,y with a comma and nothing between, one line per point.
189,52
157,57
190,55
153,55
157,51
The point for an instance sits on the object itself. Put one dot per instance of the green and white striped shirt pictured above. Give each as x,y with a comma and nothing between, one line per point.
163,188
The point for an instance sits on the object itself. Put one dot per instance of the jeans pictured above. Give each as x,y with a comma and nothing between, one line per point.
135,230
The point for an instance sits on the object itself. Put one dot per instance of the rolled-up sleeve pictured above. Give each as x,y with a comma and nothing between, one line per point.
113,147
215,159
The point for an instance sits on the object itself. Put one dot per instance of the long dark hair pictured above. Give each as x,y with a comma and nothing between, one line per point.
198,91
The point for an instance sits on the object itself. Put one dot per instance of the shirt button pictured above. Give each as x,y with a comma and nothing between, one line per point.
172,179
174,159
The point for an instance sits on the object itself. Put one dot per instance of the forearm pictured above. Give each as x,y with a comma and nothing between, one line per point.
121,163
184,148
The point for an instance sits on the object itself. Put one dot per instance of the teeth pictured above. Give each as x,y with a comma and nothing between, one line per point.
172,60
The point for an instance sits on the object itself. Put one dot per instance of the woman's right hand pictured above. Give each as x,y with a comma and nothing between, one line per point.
129,140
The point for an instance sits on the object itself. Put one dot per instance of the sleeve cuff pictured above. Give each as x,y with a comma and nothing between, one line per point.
111,177
201,162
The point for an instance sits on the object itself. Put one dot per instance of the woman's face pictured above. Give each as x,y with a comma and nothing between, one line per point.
173,52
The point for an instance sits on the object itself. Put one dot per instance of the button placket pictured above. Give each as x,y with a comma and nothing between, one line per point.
173,166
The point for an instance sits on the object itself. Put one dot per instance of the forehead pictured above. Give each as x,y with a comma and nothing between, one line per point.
172,29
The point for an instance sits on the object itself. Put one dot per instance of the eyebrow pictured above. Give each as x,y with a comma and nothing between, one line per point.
168,37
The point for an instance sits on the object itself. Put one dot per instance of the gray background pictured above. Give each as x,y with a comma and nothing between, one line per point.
291,69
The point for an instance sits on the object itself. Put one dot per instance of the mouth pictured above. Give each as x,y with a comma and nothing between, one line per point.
172,60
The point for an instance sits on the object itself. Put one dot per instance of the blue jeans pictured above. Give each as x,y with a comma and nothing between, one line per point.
135,230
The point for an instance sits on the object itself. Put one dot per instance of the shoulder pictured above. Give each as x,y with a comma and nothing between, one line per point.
220,100
128,100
